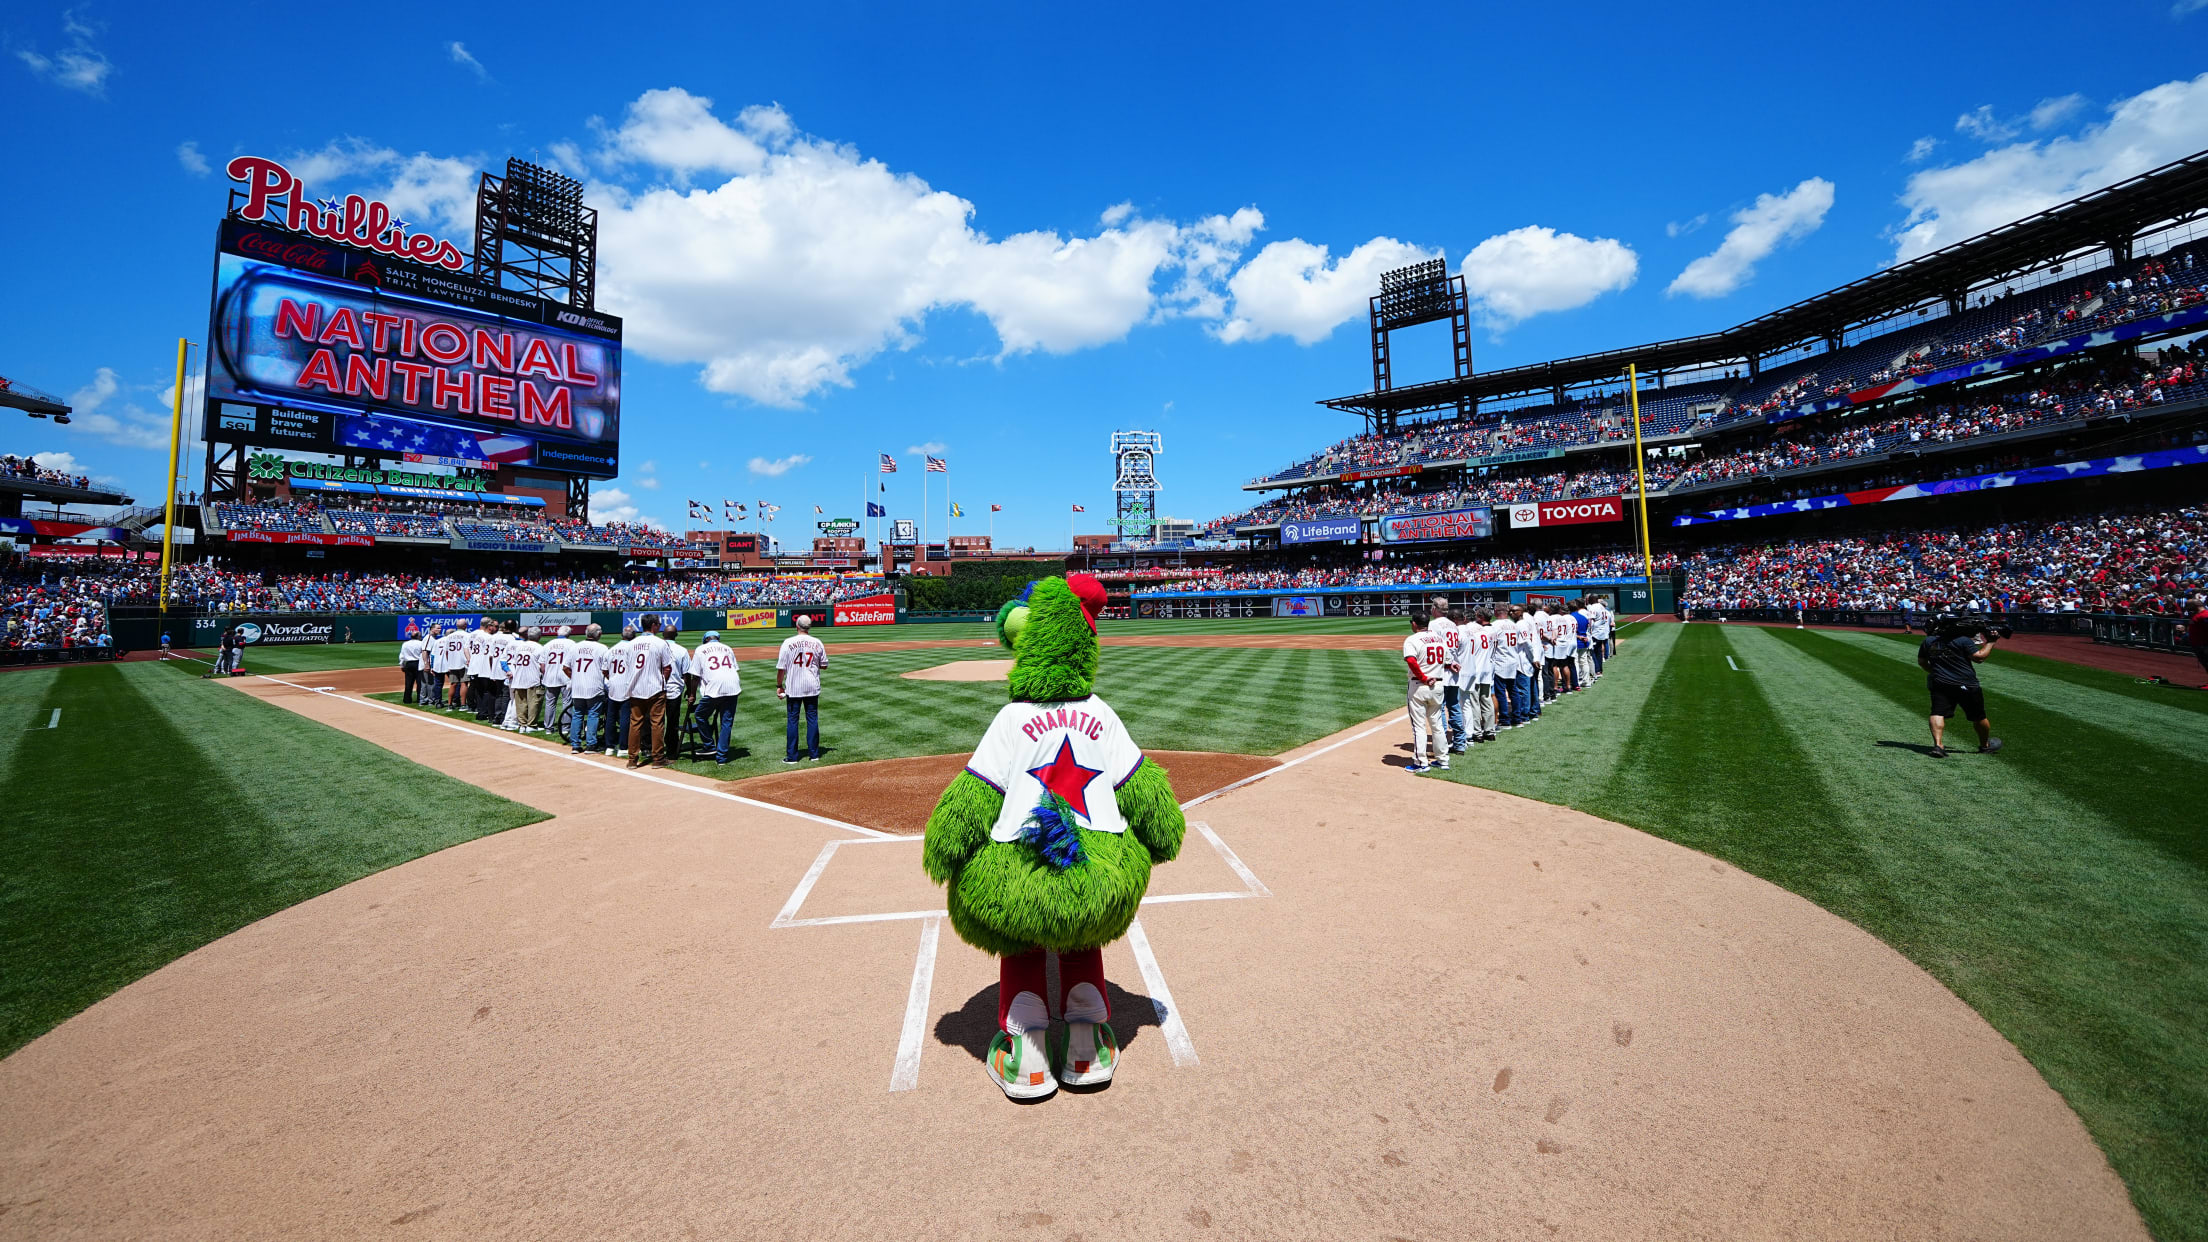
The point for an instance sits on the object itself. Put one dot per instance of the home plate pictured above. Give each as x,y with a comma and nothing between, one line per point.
963,670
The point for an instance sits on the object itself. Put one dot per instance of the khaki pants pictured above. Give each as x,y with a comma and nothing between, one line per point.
648,727
1479,708
1429,728
528,701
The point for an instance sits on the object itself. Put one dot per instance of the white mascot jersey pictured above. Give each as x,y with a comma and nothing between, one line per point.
1078,750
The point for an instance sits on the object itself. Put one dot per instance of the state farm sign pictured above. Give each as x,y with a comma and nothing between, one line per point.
1567,512
872,610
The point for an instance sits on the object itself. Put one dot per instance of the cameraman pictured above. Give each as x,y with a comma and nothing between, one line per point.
1950,661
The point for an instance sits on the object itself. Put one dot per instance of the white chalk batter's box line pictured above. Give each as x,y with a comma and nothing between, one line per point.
904,1074
787,917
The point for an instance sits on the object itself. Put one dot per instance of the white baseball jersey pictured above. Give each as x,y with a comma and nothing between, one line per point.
715,665
555,662
1077,750
410,652
678,667
1598,621
647,672
617,671
1529,642
495,667
526,659
478,648
452,651
802,658
1425,649
586,669
1479,655
1443,626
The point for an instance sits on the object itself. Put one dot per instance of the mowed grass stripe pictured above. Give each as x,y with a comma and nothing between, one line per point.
2157,720
235,809
1577,747
2044,892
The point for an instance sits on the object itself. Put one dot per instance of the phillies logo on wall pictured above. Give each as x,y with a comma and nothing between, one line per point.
354,221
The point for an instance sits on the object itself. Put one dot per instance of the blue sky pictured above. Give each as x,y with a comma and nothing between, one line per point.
836,232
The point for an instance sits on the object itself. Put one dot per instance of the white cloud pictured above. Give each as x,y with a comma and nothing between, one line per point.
194,163
430,192
1948,204
1681,229
673,129
2048,113
1758,229
105,408
2183,7
79,66
1294,289
932,448
64,462
460,56
1921,149
611,504
1533,270
779,466
1983,125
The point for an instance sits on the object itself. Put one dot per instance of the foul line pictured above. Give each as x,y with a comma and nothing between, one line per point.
55,721
547,753
906,1074
1729,660
1279,768
1161,997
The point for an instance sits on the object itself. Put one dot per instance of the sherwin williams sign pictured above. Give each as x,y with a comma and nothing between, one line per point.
1323,530
1476,523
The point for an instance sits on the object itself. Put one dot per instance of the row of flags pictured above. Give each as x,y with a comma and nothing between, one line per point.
736,511
731,510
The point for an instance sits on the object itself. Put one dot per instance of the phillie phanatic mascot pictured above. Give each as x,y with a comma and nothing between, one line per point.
1046,840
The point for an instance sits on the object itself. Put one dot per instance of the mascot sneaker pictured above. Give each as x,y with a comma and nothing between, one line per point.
1088,1052
1020,1064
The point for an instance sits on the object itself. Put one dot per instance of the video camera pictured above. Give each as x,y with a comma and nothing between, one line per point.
1965,625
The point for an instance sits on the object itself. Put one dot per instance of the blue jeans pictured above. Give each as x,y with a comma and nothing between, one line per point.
725,711
582,723
812,727
1598,654
618,713
1522,692
1452,702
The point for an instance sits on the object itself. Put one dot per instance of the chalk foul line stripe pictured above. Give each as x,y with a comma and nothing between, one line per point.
1161,996
906,1074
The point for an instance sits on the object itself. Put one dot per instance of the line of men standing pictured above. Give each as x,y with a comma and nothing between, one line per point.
1497,666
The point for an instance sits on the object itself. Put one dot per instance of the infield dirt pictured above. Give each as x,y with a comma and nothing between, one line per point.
1455,1014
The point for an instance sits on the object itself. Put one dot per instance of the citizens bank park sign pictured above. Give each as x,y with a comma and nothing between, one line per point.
1567,512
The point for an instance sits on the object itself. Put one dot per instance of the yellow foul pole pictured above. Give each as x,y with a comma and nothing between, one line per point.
176,434
1640,478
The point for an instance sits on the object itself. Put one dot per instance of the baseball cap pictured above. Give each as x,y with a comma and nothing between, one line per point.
712,636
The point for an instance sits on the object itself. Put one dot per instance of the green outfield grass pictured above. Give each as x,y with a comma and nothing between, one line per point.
164,811
2060,887
1250,701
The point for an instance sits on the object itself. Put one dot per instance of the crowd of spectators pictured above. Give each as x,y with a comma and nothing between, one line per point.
26,468
705,590
1607,564
58,603
403,524
294,515
2113,562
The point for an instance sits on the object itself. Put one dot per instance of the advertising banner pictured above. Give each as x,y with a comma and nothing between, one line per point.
271,633
871,610
547,620
667,617
1298,606
416,625
1473,523
1382,472
750,619
1567,512
499,545
838,526
1344,529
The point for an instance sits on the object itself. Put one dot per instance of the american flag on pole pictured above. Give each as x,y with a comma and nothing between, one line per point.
816,508
1079,509
889,464
937,465
996,508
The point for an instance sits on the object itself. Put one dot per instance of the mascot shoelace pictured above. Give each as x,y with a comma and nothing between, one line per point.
1046,840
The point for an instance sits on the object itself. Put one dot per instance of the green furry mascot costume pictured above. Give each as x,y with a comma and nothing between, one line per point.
1046,841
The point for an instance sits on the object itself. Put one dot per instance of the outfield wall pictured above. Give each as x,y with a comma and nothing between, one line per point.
1626,597
274,629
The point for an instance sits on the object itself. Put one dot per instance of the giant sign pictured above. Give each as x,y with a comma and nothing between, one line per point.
1344,529
1473,523
1567,512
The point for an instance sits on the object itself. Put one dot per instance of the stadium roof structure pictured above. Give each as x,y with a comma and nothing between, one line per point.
2106,219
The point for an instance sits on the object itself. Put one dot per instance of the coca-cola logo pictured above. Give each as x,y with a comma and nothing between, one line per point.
289,251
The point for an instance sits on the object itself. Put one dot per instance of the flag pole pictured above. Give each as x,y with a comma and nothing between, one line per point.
176,431
1640,477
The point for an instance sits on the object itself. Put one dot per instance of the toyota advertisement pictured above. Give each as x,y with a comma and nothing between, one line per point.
1567,512
310,327
1475,523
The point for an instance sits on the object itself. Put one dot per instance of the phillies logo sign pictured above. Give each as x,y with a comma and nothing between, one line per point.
353,221
1568,512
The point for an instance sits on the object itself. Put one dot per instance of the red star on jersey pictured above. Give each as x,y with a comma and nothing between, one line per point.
1067,778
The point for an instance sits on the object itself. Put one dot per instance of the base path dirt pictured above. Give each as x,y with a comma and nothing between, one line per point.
896,795
1402,1008
962,670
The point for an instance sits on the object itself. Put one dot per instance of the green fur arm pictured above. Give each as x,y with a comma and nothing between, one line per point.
959,825
1152,813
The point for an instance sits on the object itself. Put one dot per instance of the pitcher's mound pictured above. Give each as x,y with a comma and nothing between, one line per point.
895,795
963,670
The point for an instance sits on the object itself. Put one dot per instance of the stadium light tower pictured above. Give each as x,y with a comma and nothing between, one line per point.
1409,296
1135,483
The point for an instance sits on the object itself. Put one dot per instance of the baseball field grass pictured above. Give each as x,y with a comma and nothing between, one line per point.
2060,887
147,812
